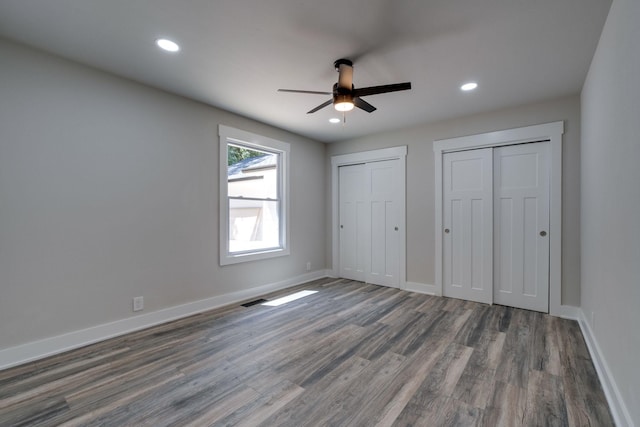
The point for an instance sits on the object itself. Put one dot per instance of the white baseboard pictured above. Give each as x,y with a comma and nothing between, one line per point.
619,411
421,288
568,312
35,350
330,273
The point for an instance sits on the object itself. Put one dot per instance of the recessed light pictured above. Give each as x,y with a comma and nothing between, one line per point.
168,45
334,120
469,86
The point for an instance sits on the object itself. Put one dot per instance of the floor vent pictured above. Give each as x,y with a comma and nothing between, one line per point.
250,303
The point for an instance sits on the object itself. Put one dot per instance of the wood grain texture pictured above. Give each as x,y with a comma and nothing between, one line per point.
352,354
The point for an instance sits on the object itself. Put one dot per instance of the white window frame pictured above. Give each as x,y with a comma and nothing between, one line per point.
251,140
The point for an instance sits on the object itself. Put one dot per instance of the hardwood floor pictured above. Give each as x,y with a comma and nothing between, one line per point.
350,355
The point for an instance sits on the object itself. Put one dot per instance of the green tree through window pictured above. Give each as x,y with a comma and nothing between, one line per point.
236,154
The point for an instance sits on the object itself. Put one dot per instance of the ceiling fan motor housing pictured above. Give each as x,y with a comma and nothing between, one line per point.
342,95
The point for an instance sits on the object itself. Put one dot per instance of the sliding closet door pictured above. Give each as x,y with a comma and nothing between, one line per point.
384,210
369,213
521,224
468,225
353,222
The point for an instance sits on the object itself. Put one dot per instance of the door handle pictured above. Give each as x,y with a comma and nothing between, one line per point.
446,231
543,233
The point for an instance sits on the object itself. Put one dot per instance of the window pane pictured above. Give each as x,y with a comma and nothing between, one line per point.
253,225
255,177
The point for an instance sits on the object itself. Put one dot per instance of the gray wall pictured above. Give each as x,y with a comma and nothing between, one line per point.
421,187
108,190
611,198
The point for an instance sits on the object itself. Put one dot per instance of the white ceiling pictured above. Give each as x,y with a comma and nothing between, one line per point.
237,53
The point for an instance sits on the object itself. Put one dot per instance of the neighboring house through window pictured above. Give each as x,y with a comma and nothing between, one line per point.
253,191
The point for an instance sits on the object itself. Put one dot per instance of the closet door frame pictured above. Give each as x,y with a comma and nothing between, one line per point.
551,132
392,153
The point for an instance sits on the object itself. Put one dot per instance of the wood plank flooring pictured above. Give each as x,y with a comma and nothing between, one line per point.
350,355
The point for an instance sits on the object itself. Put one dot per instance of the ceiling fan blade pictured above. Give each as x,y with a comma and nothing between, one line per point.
363,105
321,106
313,92
375,90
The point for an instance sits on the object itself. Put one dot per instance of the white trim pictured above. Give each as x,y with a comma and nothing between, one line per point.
364,157
499,138
421,288
568,312
35,350
330,273
619,411
228,134
369,156
551,132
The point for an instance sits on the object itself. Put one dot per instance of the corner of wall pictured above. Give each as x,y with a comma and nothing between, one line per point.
619,411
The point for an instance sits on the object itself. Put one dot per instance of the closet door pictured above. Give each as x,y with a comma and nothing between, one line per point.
369,211
353,222
468,225
521,224
384,210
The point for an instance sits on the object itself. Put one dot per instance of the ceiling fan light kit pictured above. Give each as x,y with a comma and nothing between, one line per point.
345,95
343,103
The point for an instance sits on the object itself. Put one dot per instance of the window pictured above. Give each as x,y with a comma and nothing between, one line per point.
253,196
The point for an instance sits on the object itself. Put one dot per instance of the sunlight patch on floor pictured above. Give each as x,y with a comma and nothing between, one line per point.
289,298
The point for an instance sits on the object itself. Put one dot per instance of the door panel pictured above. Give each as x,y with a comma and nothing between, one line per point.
384,219
454,246
378,242
477,240
504,222
521,177
468,223
352,226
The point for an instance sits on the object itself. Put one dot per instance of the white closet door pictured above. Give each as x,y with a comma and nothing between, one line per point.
353,227
468,225
521,224
369,231
384,258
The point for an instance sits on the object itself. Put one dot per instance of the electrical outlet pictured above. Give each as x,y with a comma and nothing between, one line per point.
308,265
138,303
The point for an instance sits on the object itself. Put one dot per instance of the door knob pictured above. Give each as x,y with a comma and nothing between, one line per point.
341,226
446,230
543,233
396,228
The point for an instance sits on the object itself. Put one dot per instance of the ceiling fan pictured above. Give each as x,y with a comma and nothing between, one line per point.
345,95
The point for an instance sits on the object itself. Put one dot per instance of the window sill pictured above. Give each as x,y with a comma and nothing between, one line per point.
252,256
